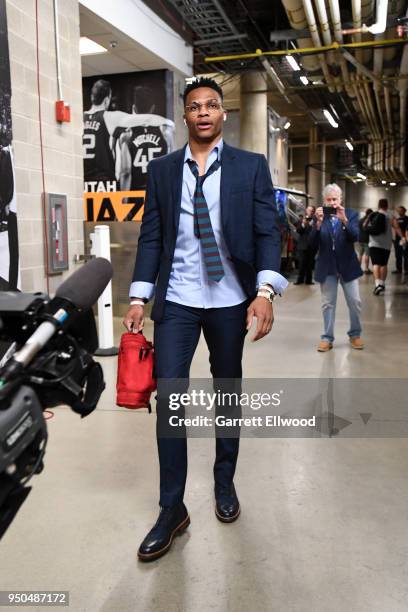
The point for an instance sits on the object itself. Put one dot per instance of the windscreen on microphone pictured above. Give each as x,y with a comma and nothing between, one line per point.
84,286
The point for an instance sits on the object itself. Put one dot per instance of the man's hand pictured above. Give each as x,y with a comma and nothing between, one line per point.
262,309
319,217
341,214
134,319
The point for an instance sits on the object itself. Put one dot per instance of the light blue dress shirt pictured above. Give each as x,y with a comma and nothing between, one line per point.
188,283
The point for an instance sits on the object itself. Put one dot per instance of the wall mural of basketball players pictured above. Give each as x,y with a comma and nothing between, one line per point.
9,261
128,122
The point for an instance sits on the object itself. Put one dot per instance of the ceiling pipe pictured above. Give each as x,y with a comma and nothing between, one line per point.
376,28
395,8
311,21
297,19
356,12
361,9
380,25
377,144
362,106
370,105
306,50
388,109
379,93
350,58
273,75
338,36
377,69
325,28
328,143
327,38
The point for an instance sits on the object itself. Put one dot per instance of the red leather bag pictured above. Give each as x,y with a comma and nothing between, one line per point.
135,381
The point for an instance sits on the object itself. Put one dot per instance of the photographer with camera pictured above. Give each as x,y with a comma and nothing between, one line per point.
334,234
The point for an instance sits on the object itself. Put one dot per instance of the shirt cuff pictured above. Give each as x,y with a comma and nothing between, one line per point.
278,282
141,289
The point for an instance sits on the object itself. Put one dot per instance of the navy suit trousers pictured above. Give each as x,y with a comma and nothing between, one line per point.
175,338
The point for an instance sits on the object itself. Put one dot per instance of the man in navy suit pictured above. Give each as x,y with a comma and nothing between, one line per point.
210,241
334,233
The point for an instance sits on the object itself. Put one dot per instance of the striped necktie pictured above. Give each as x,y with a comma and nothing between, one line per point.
202,224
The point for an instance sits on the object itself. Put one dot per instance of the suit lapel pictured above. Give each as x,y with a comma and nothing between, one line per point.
177,184
227,174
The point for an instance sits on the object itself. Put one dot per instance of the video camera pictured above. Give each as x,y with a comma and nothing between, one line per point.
48,362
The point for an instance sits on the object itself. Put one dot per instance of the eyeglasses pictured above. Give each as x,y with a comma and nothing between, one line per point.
212,107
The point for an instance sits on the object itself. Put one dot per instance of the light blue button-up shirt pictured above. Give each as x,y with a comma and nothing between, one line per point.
188,282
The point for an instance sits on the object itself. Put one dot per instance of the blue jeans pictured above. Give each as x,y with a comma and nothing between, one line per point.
329,299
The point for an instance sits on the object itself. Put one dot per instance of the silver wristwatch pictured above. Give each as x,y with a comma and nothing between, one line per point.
267,292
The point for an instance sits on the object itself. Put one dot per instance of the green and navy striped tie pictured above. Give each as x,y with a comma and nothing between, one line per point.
202,224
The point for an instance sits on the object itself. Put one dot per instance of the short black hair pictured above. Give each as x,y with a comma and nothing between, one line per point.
143,98
202,82
383,203
100,90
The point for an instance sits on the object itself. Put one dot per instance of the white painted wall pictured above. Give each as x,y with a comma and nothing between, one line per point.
137,21
62,143
361,196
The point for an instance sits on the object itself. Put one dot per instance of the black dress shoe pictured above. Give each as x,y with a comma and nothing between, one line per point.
298,282
227,508
172,520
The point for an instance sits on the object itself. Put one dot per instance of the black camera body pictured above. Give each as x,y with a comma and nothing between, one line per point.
329,211
62,372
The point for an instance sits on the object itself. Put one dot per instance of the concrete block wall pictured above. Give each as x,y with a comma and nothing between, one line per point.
63,161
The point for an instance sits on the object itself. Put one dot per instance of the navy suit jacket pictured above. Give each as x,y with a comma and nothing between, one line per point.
343,254
248,212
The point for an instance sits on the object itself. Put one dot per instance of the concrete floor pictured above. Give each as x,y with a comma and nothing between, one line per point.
324,521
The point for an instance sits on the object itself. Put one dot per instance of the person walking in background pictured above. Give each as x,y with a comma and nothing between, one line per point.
379,227
334,234
400,226
304,251
364,255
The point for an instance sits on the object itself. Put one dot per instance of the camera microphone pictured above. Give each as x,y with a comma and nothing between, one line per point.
79,292
83,287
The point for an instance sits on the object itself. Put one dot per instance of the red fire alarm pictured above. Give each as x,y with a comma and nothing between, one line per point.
62,111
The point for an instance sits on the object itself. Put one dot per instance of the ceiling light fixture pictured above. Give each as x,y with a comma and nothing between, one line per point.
349,145
287,125
90,47
292,63
383,182
363,178
330,118
333,110
393,184
304,80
